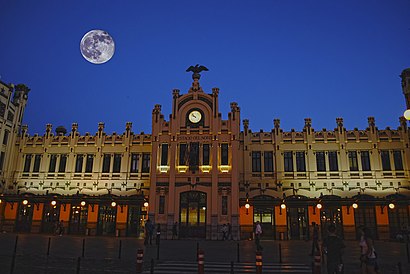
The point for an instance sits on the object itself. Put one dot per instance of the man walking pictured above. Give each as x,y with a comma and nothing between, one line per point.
333,248
258,234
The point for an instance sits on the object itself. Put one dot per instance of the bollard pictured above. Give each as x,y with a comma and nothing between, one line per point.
48,246
197,249
13,259
237,252
317,263
232,267
140,260
399,268
258,262
201,257
152,266
408,252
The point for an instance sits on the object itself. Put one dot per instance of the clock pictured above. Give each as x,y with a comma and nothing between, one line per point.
195,116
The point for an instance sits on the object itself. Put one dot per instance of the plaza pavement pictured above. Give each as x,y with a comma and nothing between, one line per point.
118,255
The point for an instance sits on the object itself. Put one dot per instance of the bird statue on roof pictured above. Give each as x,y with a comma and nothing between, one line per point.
196,70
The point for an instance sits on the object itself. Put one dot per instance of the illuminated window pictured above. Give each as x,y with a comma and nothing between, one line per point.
145,162
134,163
224,154
164,154
353,161
89,163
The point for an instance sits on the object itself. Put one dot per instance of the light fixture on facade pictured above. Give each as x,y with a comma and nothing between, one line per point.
355,205
391,206
406,114
319,206
82,203
25,202
283,206
53,203
113,204
146,204
1,201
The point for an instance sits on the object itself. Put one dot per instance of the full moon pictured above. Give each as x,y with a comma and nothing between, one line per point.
97,46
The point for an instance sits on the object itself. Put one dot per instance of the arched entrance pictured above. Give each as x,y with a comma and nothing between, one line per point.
365,215
264,212
51,216
192,214
24,218
78,219
331,213
297,213
107,216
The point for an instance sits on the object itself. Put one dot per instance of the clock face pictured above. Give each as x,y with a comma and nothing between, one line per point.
195,116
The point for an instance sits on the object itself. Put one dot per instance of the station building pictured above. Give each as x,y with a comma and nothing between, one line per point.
201,172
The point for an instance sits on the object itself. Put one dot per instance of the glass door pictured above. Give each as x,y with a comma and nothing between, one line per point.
192,216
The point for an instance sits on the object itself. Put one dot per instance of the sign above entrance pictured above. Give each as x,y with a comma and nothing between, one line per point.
194,138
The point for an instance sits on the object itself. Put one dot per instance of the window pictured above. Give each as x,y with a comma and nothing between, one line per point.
365,157
398,162
79,163
106,163
164,154
288,161
6,137
320,161
300,161
193,156
117,163
205,154
53,162
268,161
63,162
2,155
145,162
353,161
161,209
224,154
333,164
134,163
385,155
37,161
256,161
224,205
89,163
27,163
183,155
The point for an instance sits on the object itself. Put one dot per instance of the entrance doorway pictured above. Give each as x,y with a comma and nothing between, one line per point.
107,216
24,218
399,222
365,216
192,214
297,223
51,216
264,212
135,221
331,215
78,219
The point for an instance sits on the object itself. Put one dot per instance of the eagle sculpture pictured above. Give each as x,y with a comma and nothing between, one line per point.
197,69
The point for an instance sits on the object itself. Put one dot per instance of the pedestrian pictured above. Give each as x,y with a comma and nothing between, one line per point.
157,239
315,239
61,228
224,230
333,248
175,231
149,230
368,256
258,234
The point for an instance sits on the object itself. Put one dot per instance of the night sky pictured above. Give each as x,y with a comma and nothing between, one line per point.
277,59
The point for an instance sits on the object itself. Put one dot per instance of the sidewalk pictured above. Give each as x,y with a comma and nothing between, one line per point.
118,255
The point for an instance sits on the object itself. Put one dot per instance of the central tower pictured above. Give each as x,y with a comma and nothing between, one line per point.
194,172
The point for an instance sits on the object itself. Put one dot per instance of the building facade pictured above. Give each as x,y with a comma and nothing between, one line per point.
200,172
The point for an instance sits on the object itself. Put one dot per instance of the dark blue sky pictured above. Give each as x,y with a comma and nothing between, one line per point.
276,59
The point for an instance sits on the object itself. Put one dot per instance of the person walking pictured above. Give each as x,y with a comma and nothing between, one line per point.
149,230
333,248
229,231
258,234
224,230
175,231
315,238
368,257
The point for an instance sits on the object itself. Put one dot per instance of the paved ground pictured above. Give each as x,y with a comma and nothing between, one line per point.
118,255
